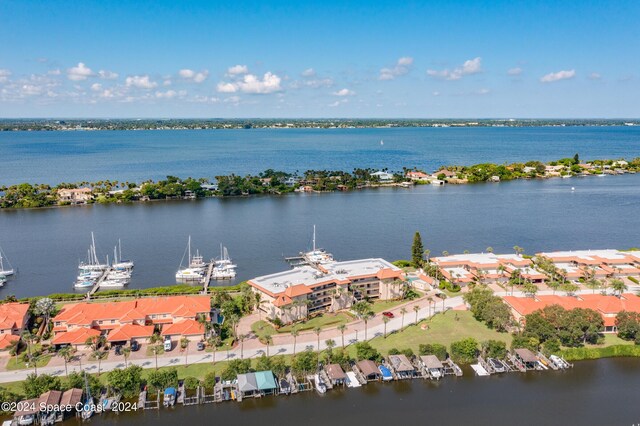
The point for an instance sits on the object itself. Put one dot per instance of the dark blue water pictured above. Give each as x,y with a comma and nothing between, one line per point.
46,244
53,157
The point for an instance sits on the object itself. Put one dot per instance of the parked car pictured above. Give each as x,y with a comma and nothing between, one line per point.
200,346
118,350
167,344
135,345
388,314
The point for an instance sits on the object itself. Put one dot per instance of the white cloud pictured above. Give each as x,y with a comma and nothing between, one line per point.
96,87
595,76
309,72
169,94
4,75
557,76
191,75
30,89
344,92
402,67
54,72
471,66
338,103
107,75
514,71
140,81
238,70
79,72
250,83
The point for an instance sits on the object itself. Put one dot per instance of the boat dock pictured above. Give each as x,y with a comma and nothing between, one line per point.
96,286
207,278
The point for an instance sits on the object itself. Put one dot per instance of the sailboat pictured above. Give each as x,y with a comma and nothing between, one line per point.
195,270
381,142
88,408
118,263
223,267
9,269
92,263
317,255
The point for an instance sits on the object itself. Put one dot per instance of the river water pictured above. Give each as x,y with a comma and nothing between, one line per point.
46,244
592,393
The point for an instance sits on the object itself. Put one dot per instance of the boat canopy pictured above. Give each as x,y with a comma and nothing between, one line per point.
170,391
265,380
247,382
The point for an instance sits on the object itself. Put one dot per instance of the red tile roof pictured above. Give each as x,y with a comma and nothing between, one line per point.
387,273
75,337
185,327
12,315
297,290
7,339
130,331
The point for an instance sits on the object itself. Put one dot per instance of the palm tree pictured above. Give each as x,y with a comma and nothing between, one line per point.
99,354
366,317
241,338
443,296
294,333
214,341
156,342
268,340
385,320
184,345
30,338
519,250
126,351
403,311
618,286
318,330
14,348
66,353
489,249
258,299
430,300
416,309
341,329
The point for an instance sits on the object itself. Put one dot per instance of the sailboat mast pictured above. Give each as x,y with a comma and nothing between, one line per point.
119,250
314,238
189,250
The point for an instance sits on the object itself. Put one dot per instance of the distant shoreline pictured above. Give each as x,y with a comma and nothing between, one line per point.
277,183
31,124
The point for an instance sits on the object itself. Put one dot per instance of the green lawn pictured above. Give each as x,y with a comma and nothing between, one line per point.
442,328
262,328
42,361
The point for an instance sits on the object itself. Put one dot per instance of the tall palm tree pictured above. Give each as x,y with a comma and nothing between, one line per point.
341,329
366,317
99,354
214,341
294,333
403,311
444,296
14,348
156,341
241,338
184,345
416,309
385,320
66,353
268,340
30,338
317,330
430,301
126,351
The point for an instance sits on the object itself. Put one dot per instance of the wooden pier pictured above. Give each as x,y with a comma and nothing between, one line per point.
96,286
451,368
206,280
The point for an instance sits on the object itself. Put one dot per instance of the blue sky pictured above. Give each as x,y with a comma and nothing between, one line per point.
426,59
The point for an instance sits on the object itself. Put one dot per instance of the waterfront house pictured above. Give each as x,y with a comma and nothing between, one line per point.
124,321
600,264
402,366
417,176
13,319
70,398
336,374
296,293
444,173
369,370
75,195
607,305
383,177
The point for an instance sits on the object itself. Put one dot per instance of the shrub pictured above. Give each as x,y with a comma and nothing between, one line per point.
551,346
494,348
161,379
191,383
464,351
436,349
209,380
365,351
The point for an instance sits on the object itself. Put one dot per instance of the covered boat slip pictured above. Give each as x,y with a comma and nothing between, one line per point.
402,366
368,369
257,384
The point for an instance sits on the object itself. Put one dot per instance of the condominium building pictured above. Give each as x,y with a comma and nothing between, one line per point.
292,295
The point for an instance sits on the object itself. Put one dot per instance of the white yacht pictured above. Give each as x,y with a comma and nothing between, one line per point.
92,262
119,263
3,280
224,268
195,270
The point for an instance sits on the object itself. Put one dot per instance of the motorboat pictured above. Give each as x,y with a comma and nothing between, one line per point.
319,384
195,270
497,365
169,397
